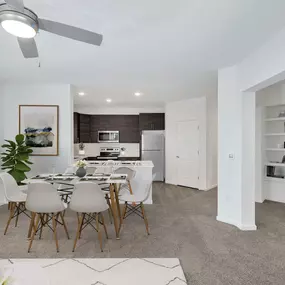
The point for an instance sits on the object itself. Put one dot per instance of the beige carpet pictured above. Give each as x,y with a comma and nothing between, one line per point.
183,225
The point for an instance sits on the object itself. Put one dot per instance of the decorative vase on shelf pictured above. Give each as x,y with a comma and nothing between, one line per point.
81,172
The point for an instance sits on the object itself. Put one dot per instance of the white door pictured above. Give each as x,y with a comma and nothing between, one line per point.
188,153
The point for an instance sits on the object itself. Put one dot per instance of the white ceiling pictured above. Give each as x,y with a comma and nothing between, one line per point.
167,49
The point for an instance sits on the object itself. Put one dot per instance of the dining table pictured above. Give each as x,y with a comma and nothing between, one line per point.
66,183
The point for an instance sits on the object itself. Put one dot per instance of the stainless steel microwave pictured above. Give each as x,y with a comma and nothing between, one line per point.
108,136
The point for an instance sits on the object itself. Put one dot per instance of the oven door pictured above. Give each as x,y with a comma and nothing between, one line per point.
108,136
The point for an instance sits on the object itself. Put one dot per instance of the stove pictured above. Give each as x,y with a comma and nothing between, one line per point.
109,153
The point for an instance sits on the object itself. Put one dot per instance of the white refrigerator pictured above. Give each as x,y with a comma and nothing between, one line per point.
152,148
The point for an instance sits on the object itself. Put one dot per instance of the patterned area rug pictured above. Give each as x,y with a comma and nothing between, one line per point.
99,271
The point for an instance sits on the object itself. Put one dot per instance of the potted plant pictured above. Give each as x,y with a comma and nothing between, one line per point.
81,171
81,148
15,158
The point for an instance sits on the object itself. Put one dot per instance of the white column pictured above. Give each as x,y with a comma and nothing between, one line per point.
236,152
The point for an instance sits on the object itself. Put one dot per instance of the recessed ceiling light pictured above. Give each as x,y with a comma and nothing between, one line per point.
109,100
81,93
138,93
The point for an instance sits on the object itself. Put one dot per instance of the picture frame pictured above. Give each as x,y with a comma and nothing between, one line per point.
40,126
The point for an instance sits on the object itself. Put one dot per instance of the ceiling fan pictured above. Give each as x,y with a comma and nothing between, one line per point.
25,24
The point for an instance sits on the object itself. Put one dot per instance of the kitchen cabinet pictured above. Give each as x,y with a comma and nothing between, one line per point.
127,125
75,127
151,121
84,128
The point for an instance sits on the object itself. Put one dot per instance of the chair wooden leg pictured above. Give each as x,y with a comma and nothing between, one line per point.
32,224
42,222
9,205
12,210
17,212
83,217
54,231
64,224
144,217
123,214
103,222
80,222
78,219
99,232
109,209
34,230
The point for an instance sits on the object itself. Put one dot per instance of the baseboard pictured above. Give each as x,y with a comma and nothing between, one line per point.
210,188
242,227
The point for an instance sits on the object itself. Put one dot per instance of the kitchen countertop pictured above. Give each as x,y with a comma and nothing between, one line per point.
133,158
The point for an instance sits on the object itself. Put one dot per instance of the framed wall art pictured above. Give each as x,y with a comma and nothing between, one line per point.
39,124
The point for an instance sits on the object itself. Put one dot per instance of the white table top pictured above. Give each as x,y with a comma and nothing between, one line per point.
72,179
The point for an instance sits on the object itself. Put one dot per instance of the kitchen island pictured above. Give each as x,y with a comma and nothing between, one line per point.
142,177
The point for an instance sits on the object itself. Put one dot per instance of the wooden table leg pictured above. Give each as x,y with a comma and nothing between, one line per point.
117,188
114,210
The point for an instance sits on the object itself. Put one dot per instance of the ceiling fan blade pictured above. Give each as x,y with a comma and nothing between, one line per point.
17,4
28,47
71,32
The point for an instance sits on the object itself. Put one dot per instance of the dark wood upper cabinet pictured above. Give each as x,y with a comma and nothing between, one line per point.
86,127
75,127
127,125
151,121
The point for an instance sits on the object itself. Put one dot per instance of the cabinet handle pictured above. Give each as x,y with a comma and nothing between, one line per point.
177,156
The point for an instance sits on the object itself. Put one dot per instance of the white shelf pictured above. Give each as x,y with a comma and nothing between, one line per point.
275,119
275,149
274,179
275,164
274,134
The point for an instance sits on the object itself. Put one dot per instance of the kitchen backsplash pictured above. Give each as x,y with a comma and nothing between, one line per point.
93,149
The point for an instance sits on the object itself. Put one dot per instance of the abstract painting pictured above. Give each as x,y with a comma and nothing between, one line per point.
39,124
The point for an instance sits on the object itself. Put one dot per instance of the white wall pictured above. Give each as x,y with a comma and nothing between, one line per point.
1,116
15,95
116,110
236,195
192,109
212,140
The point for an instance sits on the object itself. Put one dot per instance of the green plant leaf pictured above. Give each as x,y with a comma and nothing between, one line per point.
22,156
29,162
9,163
20,138
21,166
12,144
18,175
5,145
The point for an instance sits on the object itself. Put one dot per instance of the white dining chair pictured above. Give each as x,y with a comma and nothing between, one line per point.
134,204
131,174
91,170
88,199
46,205
15,197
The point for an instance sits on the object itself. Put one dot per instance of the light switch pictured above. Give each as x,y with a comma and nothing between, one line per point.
231,156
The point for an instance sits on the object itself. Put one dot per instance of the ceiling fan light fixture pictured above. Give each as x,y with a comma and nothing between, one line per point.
19,29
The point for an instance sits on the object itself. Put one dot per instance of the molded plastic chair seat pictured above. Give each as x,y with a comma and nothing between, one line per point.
134,204
14,196
89,200
45,204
